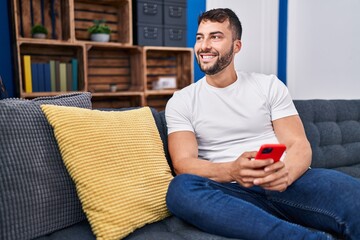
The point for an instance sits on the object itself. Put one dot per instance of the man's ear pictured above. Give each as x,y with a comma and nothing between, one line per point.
237,46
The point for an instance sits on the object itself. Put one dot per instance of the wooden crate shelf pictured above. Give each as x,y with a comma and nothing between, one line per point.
43,53
116,13
168,62
117,101
157,101
117,73
114,69
55,17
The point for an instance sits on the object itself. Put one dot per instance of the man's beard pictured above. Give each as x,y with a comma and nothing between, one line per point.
220,64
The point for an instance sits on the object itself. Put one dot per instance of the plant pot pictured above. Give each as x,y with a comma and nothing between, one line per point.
39,35
100,37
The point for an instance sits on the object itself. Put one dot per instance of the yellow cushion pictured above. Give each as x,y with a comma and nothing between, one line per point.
117,162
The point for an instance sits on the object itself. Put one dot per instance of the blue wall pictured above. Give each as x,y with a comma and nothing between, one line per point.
282,44
6,59
195,8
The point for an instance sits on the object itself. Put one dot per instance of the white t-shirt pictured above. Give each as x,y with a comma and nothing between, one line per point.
229,121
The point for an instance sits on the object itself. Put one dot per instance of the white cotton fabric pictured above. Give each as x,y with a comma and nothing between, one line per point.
228,121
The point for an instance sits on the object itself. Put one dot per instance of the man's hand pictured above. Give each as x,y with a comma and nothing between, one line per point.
264,173
277,178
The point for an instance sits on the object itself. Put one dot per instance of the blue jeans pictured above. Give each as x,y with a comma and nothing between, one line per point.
325,200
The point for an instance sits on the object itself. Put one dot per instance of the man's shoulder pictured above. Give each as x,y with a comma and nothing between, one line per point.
264,81
257,76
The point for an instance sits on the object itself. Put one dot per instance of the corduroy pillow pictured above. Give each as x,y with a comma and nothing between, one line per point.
117,162
37,195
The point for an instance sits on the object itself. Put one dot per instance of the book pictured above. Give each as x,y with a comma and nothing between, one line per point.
40,78
52,75
27,74
34,77
75,85
63,81
68,76
57,76
47,77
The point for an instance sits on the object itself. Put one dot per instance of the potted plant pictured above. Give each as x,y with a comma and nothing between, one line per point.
39,31
100,32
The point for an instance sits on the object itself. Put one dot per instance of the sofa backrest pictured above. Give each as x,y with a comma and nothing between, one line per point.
333,129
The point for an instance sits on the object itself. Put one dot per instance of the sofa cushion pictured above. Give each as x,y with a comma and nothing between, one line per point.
117,162
171,228
333,129
37,195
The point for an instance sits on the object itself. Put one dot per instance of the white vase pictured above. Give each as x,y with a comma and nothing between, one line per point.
100,37
39,35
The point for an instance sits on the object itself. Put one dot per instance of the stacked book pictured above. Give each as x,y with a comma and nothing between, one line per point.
51,76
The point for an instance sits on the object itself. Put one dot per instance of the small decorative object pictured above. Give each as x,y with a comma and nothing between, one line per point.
39,31
113,87
100,32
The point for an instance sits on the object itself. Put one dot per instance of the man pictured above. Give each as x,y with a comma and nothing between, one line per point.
215,127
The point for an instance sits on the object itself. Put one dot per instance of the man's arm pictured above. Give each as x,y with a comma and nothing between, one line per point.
289,131
183,149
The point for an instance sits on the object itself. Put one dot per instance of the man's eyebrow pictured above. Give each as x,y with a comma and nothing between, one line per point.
217,32
211,33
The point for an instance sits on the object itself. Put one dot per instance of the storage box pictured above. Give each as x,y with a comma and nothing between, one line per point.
149,12
175,36
175,13
150,35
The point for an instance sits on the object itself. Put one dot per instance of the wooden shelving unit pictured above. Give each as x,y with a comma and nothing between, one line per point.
117,73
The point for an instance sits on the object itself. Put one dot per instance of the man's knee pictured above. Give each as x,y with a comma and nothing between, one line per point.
180,190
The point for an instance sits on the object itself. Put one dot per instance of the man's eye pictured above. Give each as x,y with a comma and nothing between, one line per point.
216,37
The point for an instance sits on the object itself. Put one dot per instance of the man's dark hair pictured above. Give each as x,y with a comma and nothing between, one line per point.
221,15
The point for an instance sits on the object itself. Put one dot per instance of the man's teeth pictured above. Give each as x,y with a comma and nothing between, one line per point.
208,57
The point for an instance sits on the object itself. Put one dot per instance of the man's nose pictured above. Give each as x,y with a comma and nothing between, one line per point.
206,44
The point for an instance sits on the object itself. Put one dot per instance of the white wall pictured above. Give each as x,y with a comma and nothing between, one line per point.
323,58
259,19
324,49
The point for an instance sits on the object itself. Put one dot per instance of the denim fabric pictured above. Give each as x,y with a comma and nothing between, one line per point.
321,199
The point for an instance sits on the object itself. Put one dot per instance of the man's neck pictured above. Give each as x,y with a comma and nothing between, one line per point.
222,79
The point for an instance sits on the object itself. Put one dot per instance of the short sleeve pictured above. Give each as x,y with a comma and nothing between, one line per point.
281,103
178,114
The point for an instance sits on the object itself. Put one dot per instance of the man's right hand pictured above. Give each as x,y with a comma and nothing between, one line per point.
245,169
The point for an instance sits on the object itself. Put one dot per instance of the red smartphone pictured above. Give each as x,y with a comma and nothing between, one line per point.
274,151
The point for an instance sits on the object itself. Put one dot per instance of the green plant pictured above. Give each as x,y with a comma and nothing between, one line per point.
38,28
99,27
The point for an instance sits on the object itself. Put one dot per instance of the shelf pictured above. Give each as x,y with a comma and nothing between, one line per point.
114,69
168,62
157,101
56,18
44,53
118,15
117,73
117,94
102,101
161,92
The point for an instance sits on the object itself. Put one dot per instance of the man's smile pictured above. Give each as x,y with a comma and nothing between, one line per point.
207,57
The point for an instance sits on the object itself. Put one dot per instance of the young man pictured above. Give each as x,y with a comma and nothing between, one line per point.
215,127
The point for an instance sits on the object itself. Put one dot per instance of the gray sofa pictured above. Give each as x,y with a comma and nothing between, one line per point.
35,206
